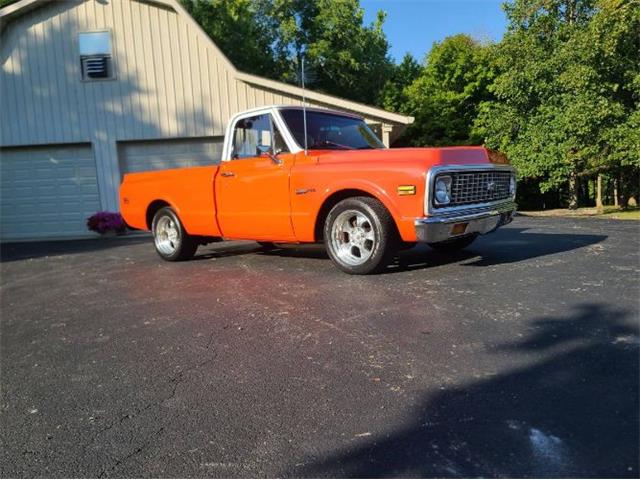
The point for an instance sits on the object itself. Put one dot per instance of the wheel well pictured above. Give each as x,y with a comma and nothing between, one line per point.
152,209
331,202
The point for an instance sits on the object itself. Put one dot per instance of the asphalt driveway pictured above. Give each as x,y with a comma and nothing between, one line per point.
517,358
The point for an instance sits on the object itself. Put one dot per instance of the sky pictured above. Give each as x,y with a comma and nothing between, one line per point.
413,25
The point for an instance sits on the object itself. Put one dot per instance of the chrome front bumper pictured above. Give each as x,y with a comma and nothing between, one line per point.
439,227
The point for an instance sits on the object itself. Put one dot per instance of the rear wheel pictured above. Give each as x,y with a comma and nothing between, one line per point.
360,235
172,242
454,244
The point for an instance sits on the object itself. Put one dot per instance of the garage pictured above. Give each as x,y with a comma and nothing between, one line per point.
141,104
47,191
142,156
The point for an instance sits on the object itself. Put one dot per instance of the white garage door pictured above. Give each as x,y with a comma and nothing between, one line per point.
47,191
163,154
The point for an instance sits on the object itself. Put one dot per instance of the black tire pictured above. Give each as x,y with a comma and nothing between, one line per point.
378,236
172,247
455,244
267,246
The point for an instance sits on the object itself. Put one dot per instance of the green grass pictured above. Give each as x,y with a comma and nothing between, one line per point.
631,213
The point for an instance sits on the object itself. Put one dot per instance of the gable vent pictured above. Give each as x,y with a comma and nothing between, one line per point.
96,66
95,55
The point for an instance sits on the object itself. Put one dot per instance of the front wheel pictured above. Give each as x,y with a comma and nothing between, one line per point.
360,235
454,244
172,242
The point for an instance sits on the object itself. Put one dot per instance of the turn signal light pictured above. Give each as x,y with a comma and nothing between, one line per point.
407,190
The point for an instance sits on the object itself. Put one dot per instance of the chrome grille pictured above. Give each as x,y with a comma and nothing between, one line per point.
478,187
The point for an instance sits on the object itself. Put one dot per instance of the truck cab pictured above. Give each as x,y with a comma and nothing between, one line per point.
290,174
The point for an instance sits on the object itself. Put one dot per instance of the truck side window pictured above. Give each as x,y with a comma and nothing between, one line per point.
279,144
250,133
253,136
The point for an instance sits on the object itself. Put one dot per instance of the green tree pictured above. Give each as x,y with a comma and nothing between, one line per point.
565,93
350,59
243,30
612,46
269,37
393,95
344,57
444,98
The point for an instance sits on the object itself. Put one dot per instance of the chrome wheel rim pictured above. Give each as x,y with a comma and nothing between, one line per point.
353,238
167,235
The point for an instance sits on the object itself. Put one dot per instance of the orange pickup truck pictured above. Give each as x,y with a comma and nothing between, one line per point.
322,176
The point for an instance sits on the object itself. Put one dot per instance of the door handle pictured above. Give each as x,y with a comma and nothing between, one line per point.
228,174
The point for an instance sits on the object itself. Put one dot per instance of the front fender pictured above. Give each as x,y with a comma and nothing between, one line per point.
367,186
307,204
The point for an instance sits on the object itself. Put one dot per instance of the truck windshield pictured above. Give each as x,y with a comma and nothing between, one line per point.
329,131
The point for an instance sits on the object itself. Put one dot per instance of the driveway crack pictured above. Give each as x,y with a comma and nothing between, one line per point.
174,382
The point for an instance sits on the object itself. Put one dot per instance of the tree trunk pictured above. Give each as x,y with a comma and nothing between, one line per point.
615,191
620,190
574,190
599,207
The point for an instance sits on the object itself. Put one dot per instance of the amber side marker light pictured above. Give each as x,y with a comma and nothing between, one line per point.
407,190
459,228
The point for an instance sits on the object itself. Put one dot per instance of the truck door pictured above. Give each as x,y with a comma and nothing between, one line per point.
252,188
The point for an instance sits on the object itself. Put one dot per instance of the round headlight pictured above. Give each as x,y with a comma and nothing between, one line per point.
512,185
443,190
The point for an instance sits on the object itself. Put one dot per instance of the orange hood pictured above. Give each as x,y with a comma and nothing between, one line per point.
423,156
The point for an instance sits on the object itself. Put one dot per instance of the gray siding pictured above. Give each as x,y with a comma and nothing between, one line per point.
147,155
168,81
171,81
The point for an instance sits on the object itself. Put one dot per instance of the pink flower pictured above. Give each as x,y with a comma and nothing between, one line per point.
103,222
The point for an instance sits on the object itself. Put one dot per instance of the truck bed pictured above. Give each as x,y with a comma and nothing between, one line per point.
189,191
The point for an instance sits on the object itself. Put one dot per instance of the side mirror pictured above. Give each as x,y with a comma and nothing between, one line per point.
265,151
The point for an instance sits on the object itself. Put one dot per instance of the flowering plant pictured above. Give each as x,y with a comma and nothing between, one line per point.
103,222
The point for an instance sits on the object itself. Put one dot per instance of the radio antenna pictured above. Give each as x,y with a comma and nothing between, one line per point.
304,107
